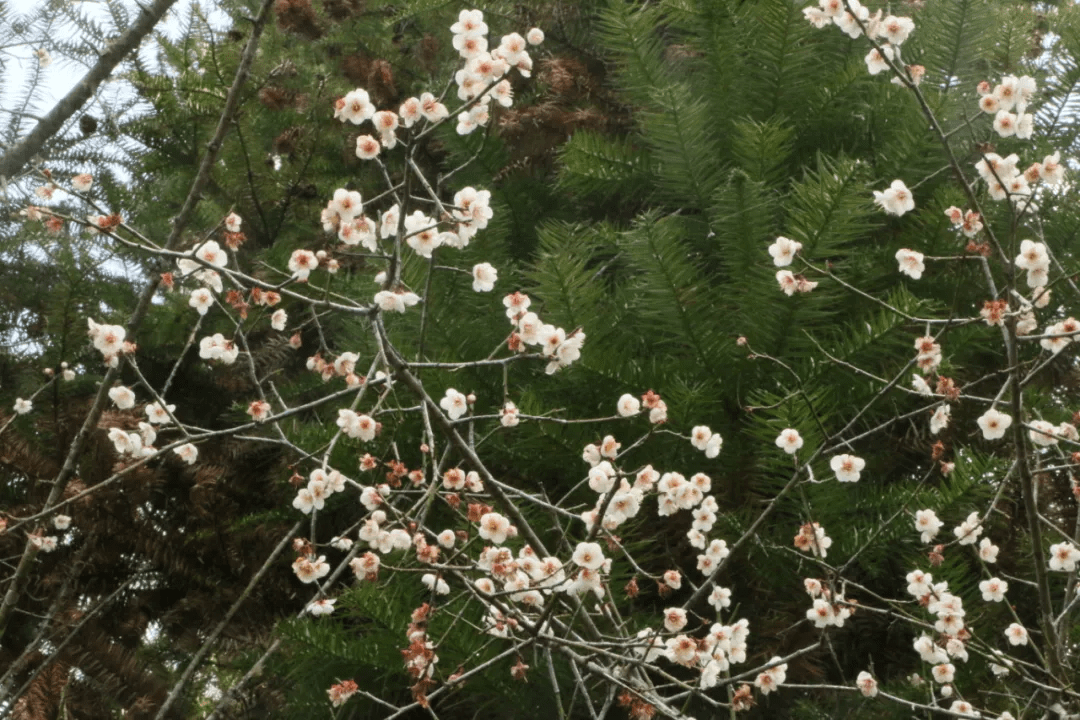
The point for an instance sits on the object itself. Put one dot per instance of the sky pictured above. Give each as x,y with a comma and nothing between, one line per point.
63,73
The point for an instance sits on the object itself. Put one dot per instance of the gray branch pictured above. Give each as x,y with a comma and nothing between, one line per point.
16,158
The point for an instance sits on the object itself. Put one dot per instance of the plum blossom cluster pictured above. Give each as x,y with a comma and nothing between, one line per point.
357,426
705,440
854,19
136,444
483,77
1036,261
713,655
1012,93
829,609
481,80
309,568
968,222
562,349
321,485
792,283
109,341
343,366
217,347
929,353
1059,335
811,538
1006,181
42,543
927,524
950,613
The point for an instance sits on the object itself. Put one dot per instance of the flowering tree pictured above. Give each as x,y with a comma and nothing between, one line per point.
401,484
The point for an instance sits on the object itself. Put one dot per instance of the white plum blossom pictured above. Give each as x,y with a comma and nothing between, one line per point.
968,531
1064,556
789,441
699,436
788,283
367,147
961,707
994,424
791,283
920,385
927,523
783,251
674,619
1016,634
988,551
308,570
943,673
588,555
712,447
201,299
484,277
107,339
1051,170
847,467
929,652
494,527
323,606
920,583
278,319
911,263
396,301
23,406
422,233
681,650
993,590
435,584
812,539
1042,433
895,29
940,419
212,254
771,678
159,415
508,416
216,347
720,598
454,403
1059,338
355,107
896,200
447,538
301,263
867,684
628,405
187,452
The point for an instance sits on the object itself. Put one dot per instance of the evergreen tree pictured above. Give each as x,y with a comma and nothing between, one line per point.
699,132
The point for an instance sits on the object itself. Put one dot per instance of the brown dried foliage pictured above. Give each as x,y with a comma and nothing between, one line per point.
297,16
